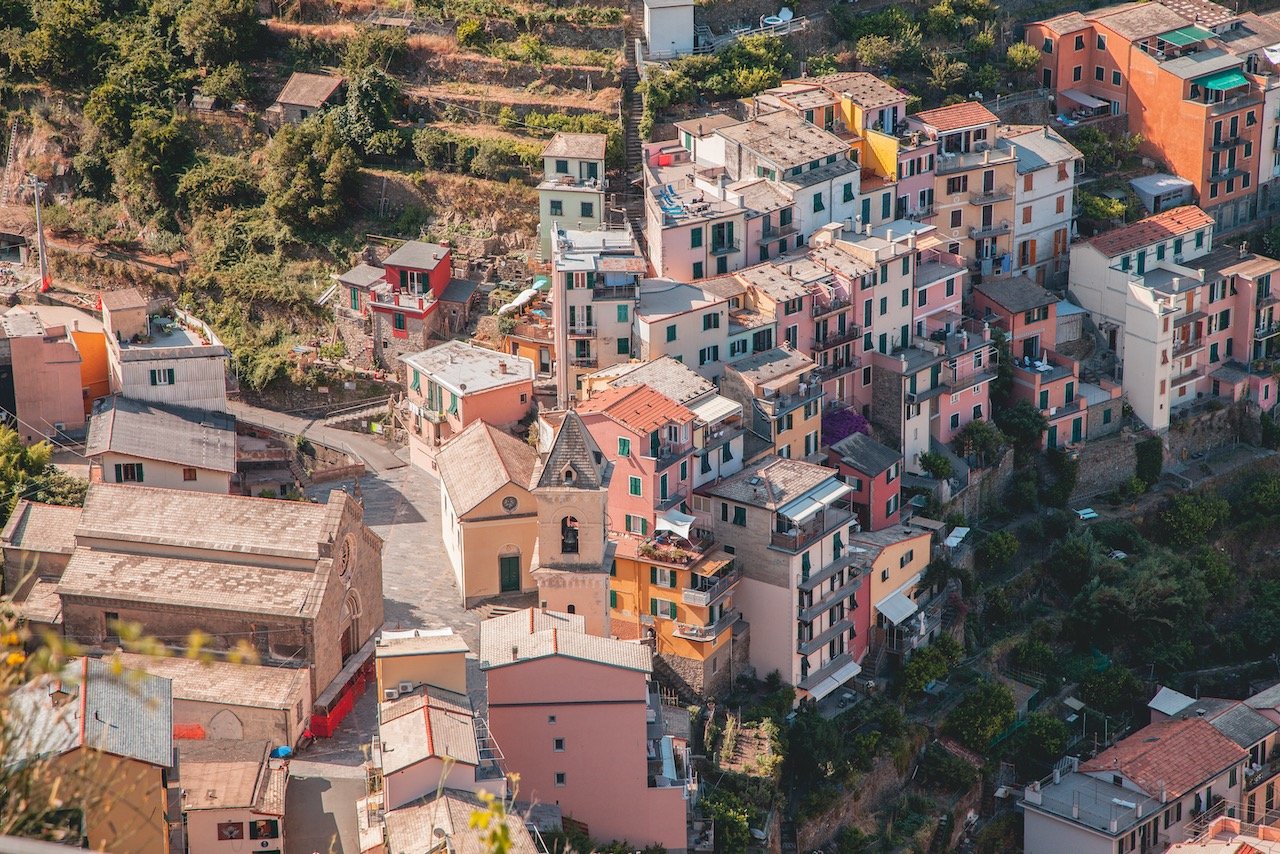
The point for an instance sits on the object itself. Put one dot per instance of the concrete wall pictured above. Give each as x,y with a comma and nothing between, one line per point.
1046,835
46,385
126,814
447,670
202,831
245,722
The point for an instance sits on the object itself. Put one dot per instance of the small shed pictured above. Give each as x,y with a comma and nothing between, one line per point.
304,95
1070,322
1161,191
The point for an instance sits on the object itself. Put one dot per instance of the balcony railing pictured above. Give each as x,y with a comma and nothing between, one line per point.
987,197
1186,348
798,537
673,498
822,373
954,161
781,403
726,248
916,629
709,590
614,292
584,361
813,677
722,435
1237,102
1267,331
1223,144
829,600
835,338
689,631
413,302
669,454
582,330
824,637
769,235
434,417
823,575
837,304
992,229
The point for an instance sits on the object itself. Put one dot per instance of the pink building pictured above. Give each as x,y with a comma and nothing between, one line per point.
650,438
573,714
872,471
456,384
39,377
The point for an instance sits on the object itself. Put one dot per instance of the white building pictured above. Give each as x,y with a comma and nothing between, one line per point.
668,28
684,322
1044,196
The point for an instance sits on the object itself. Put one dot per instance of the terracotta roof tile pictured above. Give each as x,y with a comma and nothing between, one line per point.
966,115
481,460
580,146
1177,755
1153,229
640,407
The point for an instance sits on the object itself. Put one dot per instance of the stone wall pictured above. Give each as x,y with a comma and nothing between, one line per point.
986,487
1210,429
692,680
1106,464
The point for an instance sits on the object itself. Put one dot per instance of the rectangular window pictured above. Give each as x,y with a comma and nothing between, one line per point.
129,473
624,346
1199,239
955,219
1047,47
1077,73
397,320
624,447
695,238
671,332
1098,72
557,207
1102,42
557,744
1115,77
711,321
560,779
818,205
588,209
634,486
624,313
848,191
162,376
697,270
188,474
740,516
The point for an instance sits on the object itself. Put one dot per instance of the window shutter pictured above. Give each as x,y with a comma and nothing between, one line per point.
137,467
169,371
671,575
404,278
653,575
671,609
653,606
152,374
120,470
644,527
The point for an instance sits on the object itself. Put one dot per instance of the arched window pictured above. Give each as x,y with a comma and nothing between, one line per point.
567,476
571,609
569,536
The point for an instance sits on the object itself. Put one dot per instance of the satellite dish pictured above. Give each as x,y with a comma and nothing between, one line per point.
785,14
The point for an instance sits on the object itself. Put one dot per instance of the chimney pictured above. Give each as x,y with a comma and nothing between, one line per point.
986,330
1075,806
1201,273
888,235
515,652
1244,248
502,368
866,229
1138,809
1164,793
848,224
911,240
1113,825
1046,132
986,155
1057,776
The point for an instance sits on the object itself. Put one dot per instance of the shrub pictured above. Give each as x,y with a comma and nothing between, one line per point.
470,33
936,465
997,550
1022,57
982,714
1150,459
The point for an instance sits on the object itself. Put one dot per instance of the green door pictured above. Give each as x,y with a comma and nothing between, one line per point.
1053,436
509,574
1075,429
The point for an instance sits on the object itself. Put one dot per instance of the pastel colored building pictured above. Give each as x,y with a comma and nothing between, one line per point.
233,795
803,590
173,447
668,28
974,174
1140,794
872,471
41,391
90,339
89,725
162,358
684,322
595,279
1044,201
407,658
489,516
571,193
906,614
559,700
455,384
1191,79
782,398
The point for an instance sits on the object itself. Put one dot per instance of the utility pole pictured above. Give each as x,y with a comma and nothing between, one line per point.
37,186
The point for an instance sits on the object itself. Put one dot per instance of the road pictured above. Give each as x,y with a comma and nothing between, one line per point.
375,453
401,505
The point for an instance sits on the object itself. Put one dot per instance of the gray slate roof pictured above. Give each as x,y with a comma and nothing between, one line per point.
1268,698
308,90
417,255
130,716
1016,294
363,275
534,633
572,448
413,827
172,434
770,483
673,378
866,454
1243,725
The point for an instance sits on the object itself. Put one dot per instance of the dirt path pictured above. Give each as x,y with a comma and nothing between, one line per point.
602,101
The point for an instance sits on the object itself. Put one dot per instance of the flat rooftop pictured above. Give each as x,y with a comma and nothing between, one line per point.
661,298
1099,801
467,369
785,139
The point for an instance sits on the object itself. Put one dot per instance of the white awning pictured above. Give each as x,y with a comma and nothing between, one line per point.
807,506
675,522
832,490
1083,99
897,608
956,537
715,408
835,680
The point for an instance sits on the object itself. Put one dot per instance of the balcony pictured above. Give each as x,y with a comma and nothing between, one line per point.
409,301
1269,330
822,373
785,402
824,637
584,362
769,235
1259,775
798,537
722,435
960,161
829,600
1224,144
822,576
836,338
915,631
692,632
988,197
1187,347
669,454
992,229
1237,102
835,305
726,248
608,292
582,330
435,417
813,677
672,499
708,590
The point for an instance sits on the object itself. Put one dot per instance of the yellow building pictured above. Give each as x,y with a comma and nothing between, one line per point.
407,659
101,745
682,597
489,517
906,613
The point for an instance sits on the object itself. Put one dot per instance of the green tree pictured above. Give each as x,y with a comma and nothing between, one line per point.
1023,424
1038,744
65,45
983,713
1113,691
227,83
1072,561
937,466
930,664
1022,57
822,64
980,439
945,72
1189,518
470,33
997,550
876,51
373,48
146,170
217,182
370,105
310,174
732,818
218,32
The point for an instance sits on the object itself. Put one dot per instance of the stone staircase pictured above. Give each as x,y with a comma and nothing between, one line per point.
632,112
10,165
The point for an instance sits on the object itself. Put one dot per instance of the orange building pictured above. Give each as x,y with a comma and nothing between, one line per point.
1188,75
87,333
